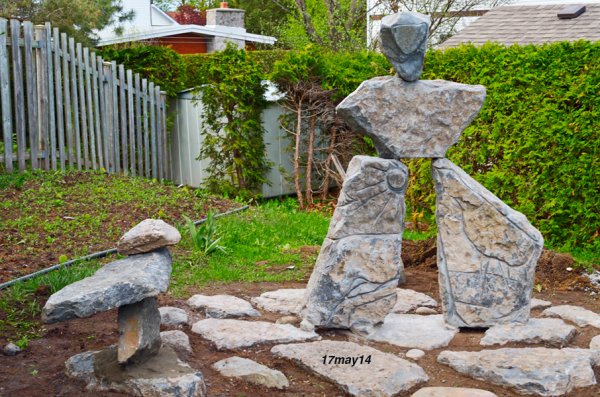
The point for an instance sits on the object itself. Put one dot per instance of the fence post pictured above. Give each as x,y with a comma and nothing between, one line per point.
138,126
7,126
153,132
41,69
131,121
31,87
75,95
123,113
115,114
166,152
146,132
108,117
19,98
83,109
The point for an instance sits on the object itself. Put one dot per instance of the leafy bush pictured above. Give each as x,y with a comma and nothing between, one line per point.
162,65
535,142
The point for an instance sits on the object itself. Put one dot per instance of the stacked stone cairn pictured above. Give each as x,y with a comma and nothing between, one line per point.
487,251
138,364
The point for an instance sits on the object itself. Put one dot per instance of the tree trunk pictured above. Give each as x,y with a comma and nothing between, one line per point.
330,151
297,155
309,160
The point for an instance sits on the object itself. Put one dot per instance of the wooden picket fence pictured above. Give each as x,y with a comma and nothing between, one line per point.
64,106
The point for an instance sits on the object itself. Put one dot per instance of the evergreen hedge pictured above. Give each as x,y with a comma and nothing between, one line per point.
535,143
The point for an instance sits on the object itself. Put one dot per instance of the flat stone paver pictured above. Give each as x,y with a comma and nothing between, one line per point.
409,300
233,334
538,370
537,330
251,371
173,316
345,364
223,306
539,304
414,331
595,343
452,392
177,340
575,314
284,301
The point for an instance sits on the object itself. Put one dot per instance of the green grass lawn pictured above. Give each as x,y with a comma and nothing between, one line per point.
273,241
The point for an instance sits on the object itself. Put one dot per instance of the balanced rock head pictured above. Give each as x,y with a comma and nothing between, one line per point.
404,42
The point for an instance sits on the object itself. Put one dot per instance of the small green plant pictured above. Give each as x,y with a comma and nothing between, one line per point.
205,238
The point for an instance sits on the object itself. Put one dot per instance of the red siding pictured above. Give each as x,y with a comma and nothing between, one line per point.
187,43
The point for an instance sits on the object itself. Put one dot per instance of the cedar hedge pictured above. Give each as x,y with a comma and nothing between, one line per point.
535,143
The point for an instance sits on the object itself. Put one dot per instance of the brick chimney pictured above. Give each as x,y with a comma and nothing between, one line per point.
225,16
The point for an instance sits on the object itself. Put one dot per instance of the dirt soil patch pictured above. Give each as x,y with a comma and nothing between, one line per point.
39,370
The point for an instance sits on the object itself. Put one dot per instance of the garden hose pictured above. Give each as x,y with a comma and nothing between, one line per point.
96,255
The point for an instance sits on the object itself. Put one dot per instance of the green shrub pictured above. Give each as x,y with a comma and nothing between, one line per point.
535,142
158,64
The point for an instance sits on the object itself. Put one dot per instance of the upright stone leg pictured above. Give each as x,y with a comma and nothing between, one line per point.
487,252
358,269
139,331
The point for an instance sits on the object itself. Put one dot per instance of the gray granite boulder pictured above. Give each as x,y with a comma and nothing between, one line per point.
162,375
222,306
487,252
575,314
177,340
119,283
353,284
403,39
540,304
284,301
412,330
173,316
252,372
146,236
358,370
232,334
420,119
539,371
139,331
409,301
552,331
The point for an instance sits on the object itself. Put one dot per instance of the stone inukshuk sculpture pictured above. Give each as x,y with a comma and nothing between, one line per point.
138,364
487,251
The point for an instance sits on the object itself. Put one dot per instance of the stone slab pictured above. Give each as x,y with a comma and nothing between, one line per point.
139,331
414,331
411,119
539,371
487,252
409,300
177,340
353,284
552,331
147,236
384,375
595,343
173,316
119,283
403,38
575,314
163,375
415,354
232,334
452,392
251,371
284,301
537,304
223,306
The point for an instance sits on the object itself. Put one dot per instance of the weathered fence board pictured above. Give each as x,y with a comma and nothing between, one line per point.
5,98
63,106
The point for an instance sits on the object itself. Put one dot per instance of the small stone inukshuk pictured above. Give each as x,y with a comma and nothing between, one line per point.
487,251
138,364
